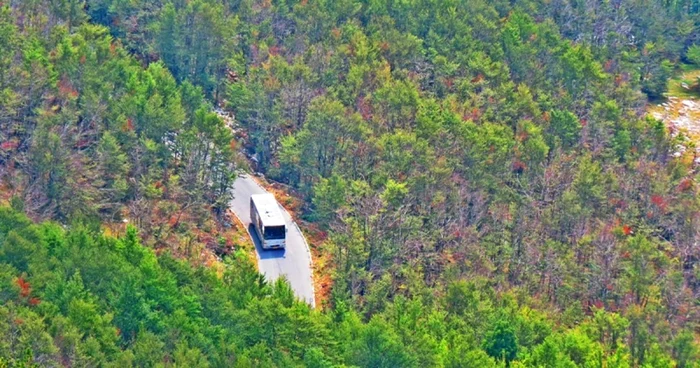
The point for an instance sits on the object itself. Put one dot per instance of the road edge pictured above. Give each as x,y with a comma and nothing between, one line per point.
306,242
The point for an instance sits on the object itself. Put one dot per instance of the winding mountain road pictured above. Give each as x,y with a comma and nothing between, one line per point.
293,262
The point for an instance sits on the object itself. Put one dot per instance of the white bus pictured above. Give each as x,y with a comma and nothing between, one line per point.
267,218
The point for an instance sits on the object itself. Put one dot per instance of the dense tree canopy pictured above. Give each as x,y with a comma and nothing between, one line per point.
493,192
89,131
78,297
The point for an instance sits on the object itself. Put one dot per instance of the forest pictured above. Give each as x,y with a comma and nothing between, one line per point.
490,188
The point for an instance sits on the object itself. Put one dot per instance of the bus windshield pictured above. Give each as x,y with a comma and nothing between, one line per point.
274,232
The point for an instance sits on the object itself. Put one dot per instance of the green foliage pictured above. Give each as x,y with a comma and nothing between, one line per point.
565,129
655,83
87,298
98,135
501,342
437,142
329,196
684,351
693,54
137,308
377,346
588,183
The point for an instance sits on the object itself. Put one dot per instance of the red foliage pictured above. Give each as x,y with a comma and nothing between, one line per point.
584,122
9,145
83,59
303,2
622,204
206,238
113,48
173,221
335,32
449,82
519,166
365,108
361,149
473,115
659,201
627,230
608,65
594,304
618,80
476,113
478,78
18,321
685,185
24,287
242,135
522,136
34,302
66,88
609,228
672,129
128,126
274,50
82,143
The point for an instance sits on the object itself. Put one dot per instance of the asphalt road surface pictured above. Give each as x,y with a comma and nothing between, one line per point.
293,262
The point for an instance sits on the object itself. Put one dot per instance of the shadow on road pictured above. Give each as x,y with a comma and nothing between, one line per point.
264,253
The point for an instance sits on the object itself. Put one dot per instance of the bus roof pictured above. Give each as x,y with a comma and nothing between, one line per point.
268,209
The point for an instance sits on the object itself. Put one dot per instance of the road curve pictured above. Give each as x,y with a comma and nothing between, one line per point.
294,262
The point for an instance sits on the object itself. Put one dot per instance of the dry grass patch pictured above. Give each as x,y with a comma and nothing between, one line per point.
681,110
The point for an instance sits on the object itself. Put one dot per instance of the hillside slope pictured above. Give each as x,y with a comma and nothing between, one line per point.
490,189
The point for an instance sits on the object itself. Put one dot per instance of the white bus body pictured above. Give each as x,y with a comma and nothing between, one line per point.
266,217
